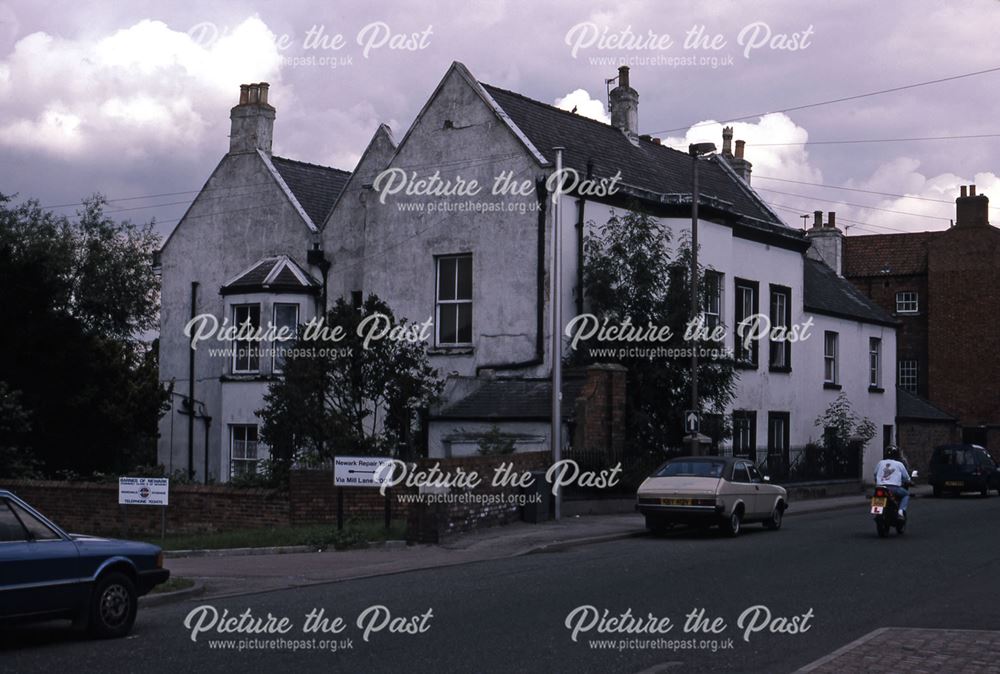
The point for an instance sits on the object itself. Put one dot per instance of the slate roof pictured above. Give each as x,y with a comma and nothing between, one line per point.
525,399
900,254
826,293
911,406
279,273
315,187
645,165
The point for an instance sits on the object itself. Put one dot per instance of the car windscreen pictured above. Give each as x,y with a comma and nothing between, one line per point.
692,469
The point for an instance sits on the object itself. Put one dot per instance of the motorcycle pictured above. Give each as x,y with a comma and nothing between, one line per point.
885,511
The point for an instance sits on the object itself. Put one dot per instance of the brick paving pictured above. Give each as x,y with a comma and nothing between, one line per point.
916,651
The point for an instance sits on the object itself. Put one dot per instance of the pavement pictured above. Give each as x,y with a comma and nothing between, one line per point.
233,575
916,651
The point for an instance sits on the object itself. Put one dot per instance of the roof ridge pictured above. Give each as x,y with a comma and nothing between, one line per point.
576,116
305,163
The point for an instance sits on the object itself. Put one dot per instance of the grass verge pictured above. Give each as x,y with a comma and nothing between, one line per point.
356,533
173,585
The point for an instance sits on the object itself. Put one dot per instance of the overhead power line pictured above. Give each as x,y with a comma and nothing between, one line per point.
848,203
842,99
877,140
857,189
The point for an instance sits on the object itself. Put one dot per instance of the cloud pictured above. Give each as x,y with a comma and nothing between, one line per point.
585,105
137,92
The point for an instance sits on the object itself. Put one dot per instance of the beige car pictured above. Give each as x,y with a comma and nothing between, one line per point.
707,490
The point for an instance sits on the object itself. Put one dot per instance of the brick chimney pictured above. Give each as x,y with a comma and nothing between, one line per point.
826,242
736,161
971,210
252,120
624,103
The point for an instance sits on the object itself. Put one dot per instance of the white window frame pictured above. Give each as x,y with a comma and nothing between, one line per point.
907,302
235,460
439,303
278,347
831,357
875,362
252,347
909,370
713,304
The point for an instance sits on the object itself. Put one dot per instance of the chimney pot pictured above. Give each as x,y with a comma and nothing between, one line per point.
245,96
252,120
623,76
254,94
831,219
740,144
971,209
727,140
817,219
963,191
657,140
972,190
264,86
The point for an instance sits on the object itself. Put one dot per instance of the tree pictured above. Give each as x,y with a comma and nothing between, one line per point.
841,425
76,295
631,276
16,460
349,397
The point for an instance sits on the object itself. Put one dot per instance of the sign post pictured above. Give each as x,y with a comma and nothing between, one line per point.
360,471
154,491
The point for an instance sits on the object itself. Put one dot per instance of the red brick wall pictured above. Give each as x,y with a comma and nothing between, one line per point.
314,499
600,410
917,439
432,523
963,339
92,508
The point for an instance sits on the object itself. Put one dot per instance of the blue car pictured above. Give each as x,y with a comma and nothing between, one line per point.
46,573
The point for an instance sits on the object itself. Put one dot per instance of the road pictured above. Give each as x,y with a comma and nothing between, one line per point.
509,615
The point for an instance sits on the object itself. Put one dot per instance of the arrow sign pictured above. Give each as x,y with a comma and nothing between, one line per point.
692,422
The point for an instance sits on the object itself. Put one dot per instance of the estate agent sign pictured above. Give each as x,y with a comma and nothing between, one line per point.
153,491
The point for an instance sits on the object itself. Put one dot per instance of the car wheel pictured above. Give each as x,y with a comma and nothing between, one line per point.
735,522
113,606
774,522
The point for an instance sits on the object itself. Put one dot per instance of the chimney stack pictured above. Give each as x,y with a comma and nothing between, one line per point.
252,120
727,141
737,162
624,103
826,244
971,210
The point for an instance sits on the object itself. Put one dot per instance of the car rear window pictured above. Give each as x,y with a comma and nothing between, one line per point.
692,469
954,456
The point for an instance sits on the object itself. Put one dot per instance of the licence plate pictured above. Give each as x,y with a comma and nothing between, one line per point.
676,501
877,510
878,502
954,483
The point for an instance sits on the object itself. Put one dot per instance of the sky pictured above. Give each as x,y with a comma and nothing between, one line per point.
132,99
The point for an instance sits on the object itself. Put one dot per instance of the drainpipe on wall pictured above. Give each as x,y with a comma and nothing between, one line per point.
541,194
190,399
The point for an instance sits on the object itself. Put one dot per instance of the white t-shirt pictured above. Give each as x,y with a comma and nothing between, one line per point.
890,471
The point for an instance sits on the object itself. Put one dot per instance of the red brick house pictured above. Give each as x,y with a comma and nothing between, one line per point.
944,288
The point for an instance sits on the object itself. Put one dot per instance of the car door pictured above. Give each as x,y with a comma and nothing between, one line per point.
763,493
743,489
39,567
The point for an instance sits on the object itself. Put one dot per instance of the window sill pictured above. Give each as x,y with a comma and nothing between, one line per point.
743,365
876,389
781,370
465,350
248,376
833,386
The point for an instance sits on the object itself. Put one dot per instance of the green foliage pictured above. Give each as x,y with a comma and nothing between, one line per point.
16,460
841,425
76,295
348,399
495,442
630,274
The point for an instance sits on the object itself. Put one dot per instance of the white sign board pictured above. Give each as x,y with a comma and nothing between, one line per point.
143,491
360,471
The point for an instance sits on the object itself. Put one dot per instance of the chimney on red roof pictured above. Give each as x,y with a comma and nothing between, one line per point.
971,210
252,120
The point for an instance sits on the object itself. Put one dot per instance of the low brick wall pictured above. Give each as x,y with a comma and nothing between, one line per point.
435,522
92,508
314,499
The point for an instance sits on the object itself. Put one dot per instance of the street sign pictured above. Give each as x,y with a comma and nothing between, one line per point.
153,491
692,422
360,471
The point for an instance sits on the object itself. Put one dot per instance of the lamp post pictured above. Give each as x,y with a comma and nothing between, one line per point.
556,304
696,150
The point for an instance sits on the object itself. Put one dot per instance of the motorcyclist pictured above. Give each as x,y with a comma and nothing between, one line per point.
893,475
